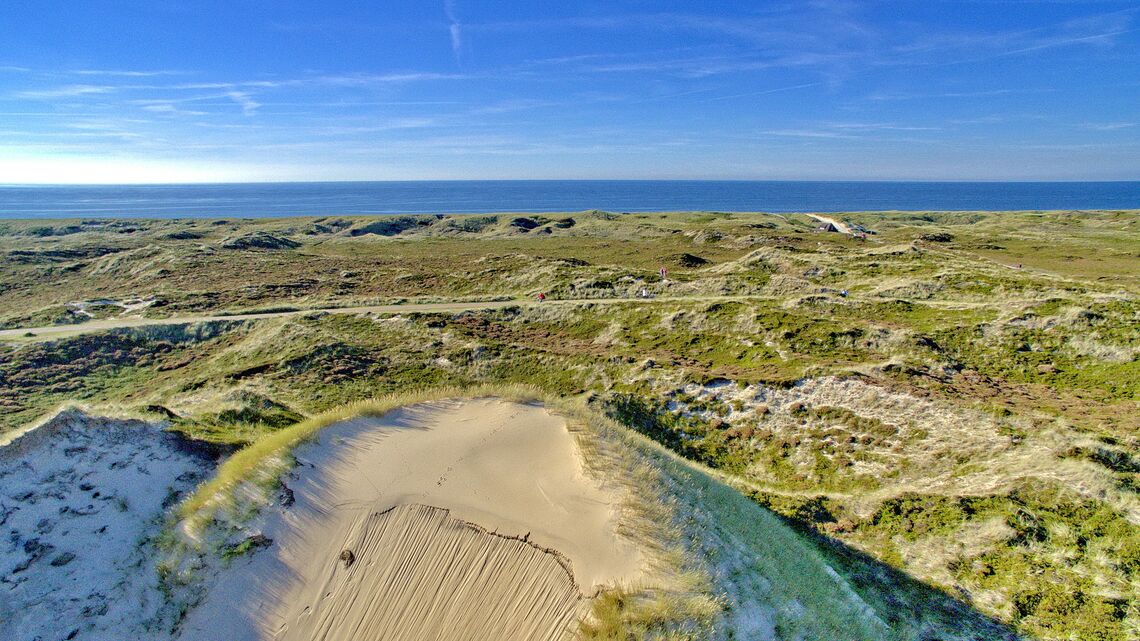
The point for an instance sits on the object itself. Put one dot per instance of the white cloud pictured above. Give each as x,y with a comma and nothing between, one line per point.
125,73
68,91
245,101
169,109
1109,126
454,28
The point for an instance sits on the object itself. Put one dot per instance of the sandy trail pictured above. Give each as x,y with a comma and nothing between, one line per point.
465,519
61,331
58,331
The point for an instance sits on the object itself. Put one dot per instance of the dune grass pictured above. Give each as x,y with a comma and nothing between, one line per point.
766,569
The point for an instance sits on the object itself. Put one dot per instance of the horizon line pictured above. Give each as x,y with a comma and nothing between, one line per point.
582,180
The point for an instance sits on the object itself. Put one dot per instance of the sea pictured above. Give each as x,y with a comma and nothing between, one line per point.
253,200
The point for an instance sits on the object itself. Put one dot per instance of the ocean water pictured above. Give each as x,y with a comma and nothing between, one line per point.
323,199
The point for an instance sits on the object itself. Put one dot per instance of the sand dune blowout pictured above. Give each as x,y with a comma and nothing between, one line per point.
449,520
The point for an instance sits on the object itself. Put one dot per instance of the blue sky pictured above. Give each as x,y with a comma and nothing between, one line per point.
182,91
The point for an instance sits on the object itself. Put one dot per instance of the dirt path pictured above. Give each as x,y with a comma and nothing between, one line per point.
60,331
56,331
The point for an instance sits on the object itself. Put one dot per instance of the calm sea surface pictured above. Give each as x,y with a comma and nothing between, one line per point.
296,199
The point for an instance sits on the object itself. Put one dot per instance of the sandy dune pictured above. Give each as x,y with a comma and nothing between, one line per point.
465,520
79,499
412,579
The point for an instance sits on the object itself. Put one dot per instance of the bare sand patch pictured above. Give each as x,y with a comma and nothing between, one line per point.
464,519
416,574
80,499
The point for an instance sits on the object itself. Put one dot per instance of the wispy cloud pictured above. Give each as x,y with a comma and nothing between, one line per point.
454,29
880,126
365,79
393,124
765,92
1109,126
986,93
67,91
1105,38
170,109
774,36
806,133
238,84
511,106
245,101
125,73
705,66
862,131
952,48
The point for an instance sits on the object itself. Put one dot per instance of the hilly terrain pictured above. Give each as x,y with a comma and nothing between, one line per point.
943,409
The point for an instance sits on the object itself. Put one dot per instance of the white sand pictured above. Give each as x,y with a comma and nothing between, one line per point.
420,573
79,496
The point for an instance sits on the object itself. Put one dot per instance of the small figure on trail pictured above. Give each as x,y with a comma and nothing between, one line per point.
644,293
664,273
542,296
843,293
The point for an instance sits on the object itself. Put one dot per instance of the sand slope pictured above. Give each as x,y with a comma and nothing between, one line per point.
79,497
421,571
419,575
